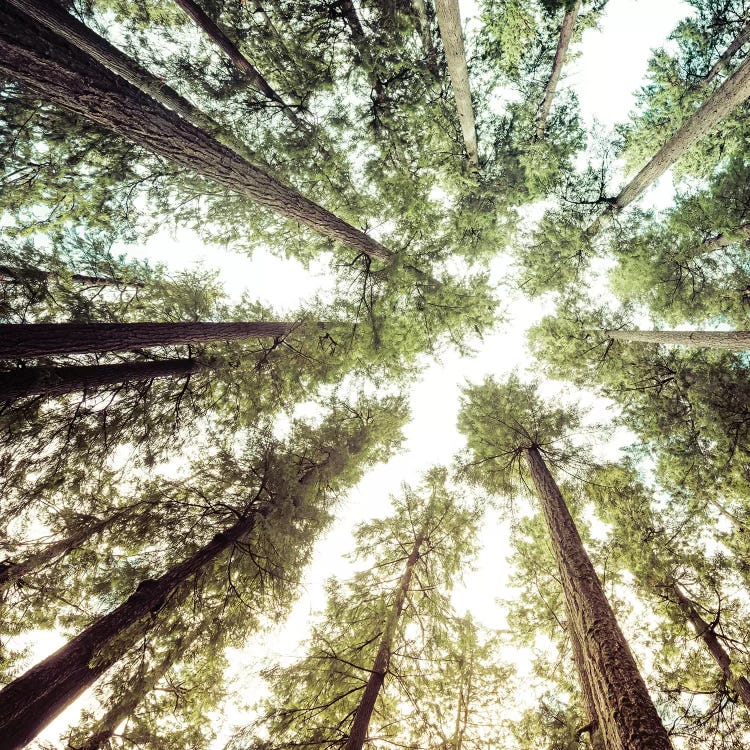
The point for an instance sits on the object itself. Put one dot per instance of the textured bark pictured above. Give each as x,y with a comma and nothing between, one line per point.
57,381
449,23
54,17
361,722
587,692
35,698
736,340
69,77
716,108
566,34
29,340
723,239
627,717
739,41
206,24
703,630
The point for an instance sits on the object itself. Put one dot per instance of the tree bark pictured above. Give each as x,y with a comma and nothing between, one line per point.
206,24
628,719
739,41
35,698
716,108
703,630
566,34
57,381
69,77
738,341
361,722
54,17
723,239
449,23
30,340
589,704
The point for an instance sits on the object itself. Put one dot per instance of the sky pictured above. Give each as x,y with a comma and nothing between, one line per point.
610,69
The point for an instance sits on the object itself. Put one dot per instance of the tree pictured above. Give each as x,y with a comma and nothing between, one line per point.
735,340
281,495
379,629
110,101
505,424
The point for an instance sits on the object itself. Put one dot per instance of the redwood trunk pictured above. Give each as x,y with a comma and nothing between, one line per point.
566,34
703,630
723,239
54,17
204,22
718,106
628,719
57,381
69,77
24,341
587,692
735,340
35,698
361,722
449,23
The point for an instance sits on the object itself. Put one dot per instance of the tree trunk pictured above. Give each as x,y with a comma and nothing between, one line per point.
449,23
68,77
566,34
35,698
628,719
716,108
738,341
57,381
703,630
589,704
204,22
723,239
54,17
29,340
361,722
739,41
18,275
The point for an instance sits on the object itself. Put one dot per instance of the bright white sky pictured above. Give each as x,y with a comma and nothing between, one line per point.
610,69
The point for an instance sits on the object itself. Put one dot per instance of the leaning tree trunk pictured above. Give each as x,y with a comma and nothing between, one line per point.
18,275
57,381
67,76
563,42
54,17
722,239
703,630
204,22
738,341
361,722
716,108
449,23
35,698
739,41
29,340
628,719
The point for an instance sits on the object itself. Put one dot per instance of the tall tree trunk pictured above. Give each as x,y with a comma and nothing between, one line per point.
35,698
361,722
449,23
206,24
723,239
703,630
29,340
716,108
57,381
68,77
54,17
628,719
587,692
18,275
736,340
566,34
739,41
12,571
